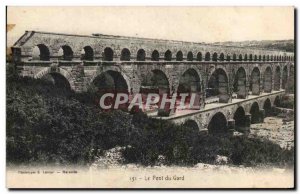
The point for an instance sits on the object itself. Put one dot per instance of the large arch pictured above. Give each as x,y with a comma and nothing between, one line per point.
239,86
41,52
284,77
66,53
240,119
268,80
218,85
48,71
218,123
87,54
255,81
192,125
255,114
58,80
267,107
277,78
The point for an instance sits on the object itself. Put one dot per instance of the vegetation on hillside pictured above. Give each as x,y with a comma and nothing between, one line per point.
49,125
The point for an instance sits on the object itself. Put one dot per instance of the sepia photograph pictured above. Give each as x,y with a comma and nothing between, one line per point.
150,97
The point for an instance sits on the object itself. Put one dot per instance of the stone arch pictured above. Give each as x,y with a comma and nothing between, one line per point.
239,86
190,56
277,101
156,81
215,57
141,55
268,80
245,57
267,107
190,81
240,57
179,56
41,52
218,85
155,55
271,58
222,57
168,55
264,58
250,57
125,55
192,124
218,123
111,81
255,81
207,56
259,58
87,53
108,54
277,78
228,58
284,77
267,58
255,114
234,57
60,71
65,52
199,56
240,119
255,57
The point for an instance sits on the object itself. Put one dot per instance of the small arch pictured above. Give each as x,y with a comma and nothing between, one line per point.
255,57
190,56
246,57
259,58
125,54
207,56
267,107
234,57
268,58
108,54
155,55
264,58
41,52
215,57
179,56
240,57
168,55
218,123
222,57
271,58
66,53
141,55
250,57
255,115
87,54
228,58
280,58
199,56
192,125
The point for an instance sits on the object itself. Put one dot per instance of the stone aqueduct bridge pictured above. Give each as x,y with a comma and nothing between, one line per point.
237,85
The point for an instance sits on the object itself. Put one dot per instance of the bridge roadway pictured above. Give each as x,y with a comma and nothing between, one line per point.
206,117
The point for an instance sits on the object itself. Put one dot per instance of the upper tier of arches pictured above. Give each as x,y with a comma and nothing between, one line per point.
44,46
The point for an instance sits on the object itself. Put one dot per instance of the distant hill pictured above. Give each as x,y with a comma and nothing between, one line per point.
282,45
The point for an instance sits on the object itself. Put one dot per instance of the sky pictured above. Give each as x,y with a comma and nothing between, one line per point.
195,24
